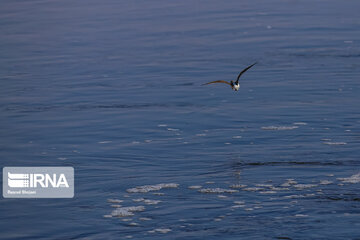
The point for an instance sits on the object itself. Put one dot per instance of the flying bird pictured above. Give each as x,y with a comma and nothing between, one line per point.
234,85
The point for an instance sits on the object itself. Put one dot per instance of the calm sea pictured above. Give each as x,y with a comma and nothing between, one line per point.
113,89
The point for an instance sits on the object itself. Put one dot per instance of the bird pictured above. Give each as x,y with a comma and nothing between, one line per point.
234,85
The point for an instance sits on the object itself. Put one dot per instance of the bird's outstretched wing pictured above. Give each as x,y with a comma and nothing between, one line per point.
218,81
237,80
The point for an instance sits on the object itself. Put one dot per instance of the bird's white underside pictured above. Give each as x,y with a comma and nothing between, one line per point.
236,87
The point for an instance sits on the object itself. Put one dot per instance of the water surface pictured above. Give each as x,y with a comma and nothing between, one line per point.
113,88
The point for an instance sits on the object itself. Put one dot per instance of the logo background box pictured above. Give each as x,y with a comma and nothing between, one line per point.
22,190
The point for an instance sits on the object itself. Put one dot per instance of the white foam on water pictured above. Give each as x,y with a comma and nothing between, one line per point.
151,202
210,182
126,219
301,215
239,202
279,128
300,123
264,185
158,194
294,196
147,201
61,158
279,189
138,199
304,186
237,186
222,196
160,230
217,190
238,206
104,142
149,188
300,196
110,200
201,134
115,206
267,192
253,189
335,143
121,213
353,179
289,182
195,187
162,125
127,211
145,219
325,182
237,137
326,139
173,129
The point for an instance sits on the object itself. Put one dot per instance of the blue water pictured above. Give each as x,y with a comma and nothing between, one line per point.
113,89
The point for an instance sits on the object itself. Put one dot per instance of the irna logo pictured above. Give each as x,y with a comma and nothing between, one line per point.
20,180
